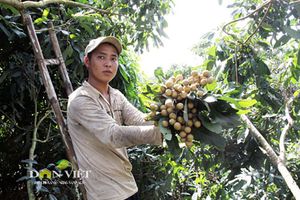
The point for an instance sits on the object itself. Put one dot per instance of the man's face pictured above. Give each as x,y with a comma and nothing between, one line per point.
103,64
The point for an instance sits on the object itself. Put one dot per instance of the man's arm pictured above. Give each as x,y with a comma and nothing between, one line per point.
86,112
131,115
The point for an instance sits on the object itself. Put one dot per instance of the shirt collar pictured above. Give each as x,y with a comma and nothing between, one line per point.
96,93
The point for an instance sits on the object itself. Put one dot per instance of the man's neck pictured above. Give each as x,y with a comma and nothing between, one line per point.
103,88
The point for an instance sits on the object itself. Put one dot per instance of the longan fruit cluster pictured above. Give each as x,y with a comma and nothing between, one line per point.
171,108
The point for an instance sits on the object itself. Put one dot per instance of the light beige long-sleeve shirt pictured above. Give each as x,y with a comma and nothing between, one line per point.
100,132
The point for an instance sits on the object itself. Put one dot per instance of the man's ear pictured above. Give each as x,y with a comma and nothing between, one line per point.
86,61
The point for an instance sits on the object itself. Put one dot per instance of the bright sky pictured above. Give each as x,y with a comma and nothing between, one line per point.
189,21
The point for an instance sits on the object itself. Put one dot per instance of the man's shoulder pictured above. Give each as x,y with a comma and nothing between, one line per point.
116,92
81,94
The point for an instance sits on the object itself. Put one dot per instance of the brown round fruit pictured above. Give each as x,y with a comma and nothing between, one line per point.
197,124
194,110
172,116
168,92
169,103
189,123
169,84
182,134
164,113
172,121
203,82
200,93
162,89
190,105
187,129
174,94
180,119
210,80
179,106
165,123
206,73
163,107
153,107
177,126
190,137
188,144
194,73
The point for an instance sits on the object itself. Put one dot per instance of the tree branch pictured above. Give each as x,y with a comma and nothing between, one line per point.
259,25
274,158
289,124
37,4
243,18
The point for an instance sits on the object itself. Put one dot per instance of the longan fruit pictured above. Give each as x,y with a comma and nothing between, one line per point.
190,137
169,103
174,94
182,134
180,119
188,144
179,106
177,126
163,107
165,123
172,121
197,124
172,116
169,84
153,107
170,110
194,73
190,123
194,110
210,80
187,129
203,82
190,105
164,113
185,82
162,89
200,93
168,92
206,73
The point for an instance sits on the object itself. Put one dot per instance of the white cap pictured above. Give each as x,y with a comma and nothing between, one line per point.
94,43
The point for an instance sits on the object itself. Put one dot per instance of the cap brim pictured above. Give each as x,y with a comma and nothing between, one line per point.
109,39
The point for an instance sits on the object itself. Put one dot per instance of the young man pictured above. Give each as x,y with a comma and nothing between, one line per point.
102,123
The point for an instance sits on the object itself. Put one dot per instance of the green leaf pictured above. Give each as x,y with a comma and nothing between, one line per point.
263,69
282,41
46,12
165,131
243,112
173,147
291,32
212,86
207,137
245,103
159,74
212,126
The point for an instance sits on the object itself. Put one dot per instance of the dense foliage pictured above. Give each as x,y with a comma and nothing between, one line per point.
256,62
